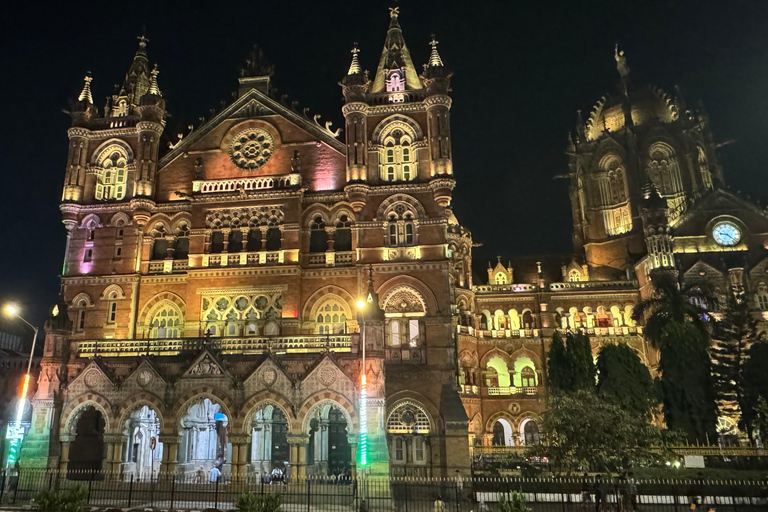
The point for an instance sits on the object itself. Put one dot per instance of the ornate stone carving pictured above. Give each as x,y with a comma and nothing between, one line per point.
252,148
205,366
268,376
327,375
91,378
144,378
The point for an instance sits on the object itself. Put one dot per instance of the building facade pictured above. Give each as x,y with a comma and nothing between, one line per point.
265,289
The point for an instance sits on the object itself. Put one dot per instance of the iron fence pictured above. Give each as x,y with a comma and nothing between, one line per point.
185,492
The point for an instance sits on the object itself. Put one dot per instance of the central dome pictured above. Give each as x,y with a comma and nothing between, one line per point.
648,103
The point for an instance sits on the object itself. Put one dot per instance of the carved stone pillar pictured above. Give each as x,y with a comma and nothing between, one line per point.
244,233
298,455
65,439
264,230
330,232
170,249
225,232
170,452
352,439
112,461
239,455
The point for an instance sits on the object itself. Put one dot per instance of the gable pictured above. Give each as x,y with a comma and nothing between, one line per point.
719,203
145,376
92,377
205,366
327,376
268,375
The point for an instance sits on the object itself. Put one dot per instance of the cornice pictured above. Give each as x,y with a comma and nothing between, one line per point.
235,197
328,197
395,108
132,278
277,270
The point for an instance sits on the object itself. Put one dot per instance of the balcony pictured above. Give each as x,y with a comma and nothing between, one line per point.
512,390
168,266
507,333
243,259
228,346
246,184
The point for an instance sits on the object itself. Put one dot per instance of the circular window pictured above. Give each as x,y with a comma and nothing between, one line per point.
251,149
726,233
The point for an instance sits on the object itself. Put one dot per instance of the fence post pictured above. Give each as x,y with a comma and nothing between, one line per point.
216,494
456,490
309,493
2,485
130,491
173,488
90,483
405,490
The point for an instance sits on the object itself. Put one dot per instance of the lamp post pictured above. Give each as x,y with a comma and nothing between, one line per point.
363,443
13,311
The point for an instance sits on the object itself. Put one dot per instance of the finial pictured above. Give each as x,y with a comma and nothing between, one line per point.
354,68
394,12
143,40
434,57
85,94
621,62
153,88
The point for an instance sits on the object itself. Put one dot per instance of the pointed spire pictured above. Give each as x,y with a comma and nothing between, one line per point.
85,94
153,88
434,57
138,78
354,67
395,56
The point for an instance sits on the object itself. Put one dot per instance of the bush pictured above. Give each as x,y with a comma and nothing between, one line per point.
250,502
71,500
515,503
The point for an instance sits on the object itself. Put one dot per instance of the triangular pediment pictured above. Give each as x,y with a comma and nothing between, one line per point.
93,376
255,104
270,374
205,365
327,374
146,376
703,270
719,203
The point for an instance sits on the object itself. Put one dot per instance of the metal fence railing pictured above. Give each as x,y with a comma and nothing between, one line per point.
184,492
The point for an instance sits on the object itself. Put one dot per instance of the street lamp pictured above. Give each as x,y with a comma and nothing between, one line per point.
13,311
363,395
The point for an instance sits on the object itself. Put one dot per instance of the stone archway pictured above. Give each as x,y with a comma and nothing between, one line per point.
87,450
204,437
328,450
138,459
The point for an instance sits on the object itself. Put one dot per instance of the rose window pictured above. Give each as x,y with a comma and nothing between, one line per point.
251,149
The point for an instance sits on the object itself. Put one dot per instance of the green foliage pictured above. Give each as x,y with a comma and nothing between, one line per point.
584,430
677,325
754,380
515,503
579,350
558,365
570,365
737,331
251,502
625,380
70,500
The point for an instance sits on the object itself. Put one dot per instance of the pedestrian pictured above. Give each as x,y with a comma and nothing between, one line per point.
200,476
287,473
438,506
214,474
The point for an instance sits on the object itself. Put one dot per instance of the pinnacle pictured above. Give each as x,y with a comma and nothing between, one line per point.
434,57
85,94
354,67
153,87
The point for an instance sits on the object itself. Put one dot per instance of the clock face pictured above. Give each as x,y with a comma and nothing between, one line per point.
726,233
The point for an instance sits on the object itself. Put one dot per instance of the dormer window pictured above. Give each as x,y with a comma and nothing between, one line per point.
398,162
111,179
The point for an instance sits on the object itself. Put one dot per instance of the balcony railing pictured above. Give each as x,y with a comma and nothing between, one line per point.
245,345
246,184
512,390
508,333
547,332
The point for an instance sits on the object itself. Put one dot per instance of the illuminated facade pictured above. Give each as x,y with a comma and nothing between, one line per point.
211,282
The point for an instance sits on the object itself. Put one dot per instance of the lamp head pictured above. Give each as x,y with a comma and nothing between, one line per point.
361,304
11,310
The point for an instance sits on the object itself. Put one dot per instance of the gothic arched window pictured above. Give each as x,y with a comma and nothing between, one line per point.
343,236
664,171
762,297
400,226
318,238
331,317
111,179
397,156
706,174
166,321
181,244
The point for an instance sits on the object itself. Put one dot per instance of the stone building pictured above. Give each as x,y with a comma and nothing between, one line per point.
220,290
211,285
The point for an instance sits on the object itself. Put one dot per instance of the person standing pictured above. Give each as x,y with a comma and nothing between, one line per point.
214,474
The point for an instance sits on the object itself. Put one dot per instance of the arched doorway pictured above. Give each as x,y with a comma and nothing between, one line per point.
530,432
204,438
87,450
502,433
328,450
138,458
269,446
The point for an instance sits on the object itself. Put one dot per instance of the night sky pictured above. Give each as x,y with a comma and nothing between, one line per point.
521,70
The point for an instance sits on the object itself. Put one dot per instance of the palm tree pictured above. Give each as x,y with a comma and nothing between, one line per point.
677,324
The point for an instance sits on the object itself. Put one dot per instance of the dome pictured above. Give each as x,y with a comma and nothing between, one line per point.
648,103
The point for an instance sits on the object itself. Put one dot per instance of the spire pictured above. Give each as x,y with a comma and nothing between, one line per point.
85,94
354,67
153,88
137,79
434,57
395,56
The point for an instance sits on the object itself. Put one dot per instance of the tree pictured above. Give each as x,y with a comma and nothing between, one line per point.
624,380
579,350
677,325
754,387
733,335
584,430
559,367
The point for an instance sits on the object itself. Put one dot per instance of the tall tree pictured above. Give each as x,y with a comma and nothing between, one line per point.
677,325
624,380
754,387
733,336
579,350
559,367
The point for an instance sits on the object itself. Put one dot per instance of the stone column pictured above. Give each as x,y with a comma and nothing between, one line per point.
352,439
170,452
170,250
298,455
331,232
114,444
65,439
239,452
244,233
264,230
225,232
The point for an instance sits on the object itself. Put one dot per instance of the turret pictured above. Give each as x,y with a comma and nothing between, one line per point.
354,87
437,81
151,110
655,216
82,112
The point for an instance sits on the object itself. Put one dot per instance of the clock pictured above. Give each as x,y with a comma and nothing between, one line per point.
726,233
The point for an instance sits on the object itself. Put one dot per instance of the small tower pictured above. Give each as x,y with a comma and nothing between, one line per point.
354,87
83,111
655,216
437,82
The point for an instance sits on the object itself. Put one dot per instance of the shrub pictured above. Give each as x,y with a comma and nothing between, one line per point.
71,500
515,503
250,502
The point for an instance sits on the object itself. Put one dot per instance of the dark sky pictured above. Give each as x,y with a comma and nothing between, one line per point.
521,70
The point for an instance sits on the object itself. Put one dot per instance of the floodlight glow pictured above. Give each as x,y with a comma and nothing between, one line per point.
11,310
360,304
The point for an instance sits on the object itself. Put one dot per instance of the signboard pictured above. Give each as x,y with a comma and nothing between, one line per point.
694,461
152,443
